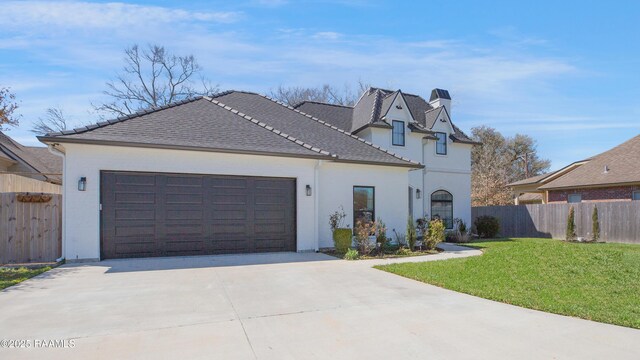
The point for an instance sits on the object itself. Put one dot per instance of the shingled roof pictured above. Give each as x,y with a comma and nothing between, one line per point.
373,105
236,122
616,166
36,158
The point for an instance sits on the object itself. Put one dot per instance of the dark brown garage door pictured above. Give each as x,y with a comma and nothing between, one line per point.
154,214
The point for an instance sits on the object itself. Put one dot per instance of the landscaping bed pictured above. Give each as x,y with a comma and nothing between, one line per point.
594,281
388,253
11,276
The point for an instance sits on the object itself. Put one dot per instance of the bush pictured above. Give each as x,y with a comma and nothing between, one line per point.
487,226
571,226
401,239
364,229
435,234
337,218
595,225
403,252
381,233
460,234
411,234
342,239
351,254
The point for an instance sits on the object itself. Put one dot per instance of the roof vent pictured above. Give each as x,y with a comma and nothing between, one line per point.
606,169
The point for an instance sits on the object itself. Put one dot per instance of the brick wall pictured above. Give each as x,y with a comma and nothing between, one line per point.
615,193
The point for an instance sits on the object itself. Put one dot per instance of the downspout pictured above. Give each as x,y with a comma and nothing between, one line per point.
316,203
52,149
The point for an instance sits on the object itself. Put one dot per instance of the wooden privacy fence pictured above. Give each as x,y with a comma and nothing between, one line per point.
17,183
30,231
619,221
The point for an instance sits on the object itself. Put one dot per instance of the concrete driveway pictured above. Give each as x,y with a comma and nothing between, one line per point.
281,306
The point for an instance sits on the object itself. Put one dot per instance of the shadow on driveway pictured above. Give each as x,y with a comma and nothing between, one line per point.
206,261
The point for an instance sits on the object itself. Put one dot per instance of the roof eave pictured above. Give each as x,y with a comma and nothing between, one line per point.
60,139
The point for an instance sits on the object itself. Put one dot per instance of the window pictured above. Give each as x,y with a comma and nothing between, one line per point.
441,143
442,207
636,195
574,198
397,137
363,204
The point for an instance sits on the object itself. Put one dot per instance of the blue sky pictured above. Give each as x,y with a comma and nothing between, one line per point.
565,72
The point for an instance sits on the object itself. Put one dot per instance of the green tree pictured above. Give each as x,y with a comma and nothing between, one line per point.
595,225
571,226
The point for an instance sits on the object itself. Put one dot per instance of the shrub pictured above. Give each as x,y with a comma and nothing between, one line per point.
351,254
435,234
460,233
411,234
364,229
571,226
403,252
342,239
337,219
487,226
595,225
401,239
421,225
381,233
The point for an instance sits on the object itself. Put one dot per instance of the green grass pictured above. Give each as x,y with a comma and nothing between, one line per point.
9,277
599,282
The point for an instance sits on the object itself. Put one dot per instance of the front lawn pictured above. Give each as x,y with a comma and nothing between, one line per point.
599,282
9,277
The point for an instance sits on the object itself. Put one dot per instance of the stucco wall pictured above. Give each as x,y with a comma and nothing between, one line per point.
82,218
336,188
332,186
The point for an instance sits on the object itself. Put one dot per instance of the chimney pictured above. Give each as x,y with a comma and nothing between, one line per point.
440,97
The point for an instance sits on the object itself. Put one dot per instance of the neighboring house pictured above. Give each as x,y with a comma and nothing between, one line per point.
613,175
18,162
238,172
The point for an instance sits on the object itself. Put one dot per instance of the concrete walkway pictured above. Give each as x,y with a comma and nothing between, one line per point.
281,306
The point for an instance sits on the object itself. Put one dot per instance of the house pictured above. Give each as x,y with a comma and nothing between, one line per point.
28,168
613,175
239,172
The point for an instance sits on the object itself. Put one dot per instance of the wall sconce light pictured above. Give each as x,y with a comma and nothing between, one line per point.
418,194
308,188
82,184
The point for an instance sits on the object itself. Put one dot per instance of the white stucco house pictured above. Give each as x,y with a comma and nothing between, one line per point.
239,172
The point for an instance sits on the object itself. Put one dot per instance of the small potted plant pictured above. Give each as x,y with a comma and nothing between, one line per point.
342,236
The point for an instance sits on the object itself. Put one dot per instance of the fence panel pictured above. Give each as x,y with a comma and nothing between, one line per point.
619,221
30,231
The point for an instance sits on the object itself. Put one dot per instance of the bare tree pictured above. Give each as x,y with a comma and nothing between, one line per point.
53,121
293,95
8,107
153,77
499,161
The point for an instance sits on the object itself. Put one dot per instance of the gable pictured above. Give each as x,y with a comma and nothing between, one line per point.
397,109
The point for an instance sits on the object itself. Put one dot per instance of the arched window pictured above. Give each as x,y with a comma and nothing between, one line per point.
442,207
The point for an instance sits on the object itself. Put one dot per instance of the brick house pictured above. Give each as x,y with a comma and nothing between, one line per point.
613,175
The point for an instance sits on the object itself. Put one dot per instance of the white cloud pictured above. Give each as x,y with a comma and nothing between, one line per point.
327,35
85,15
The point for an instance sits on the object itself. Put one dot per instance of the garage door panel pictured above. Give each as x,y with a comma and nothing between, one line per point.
179,214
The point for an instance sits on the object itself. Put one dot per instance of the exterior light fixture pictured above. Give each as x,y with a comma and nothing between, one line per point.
308,188
82,184
418,194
